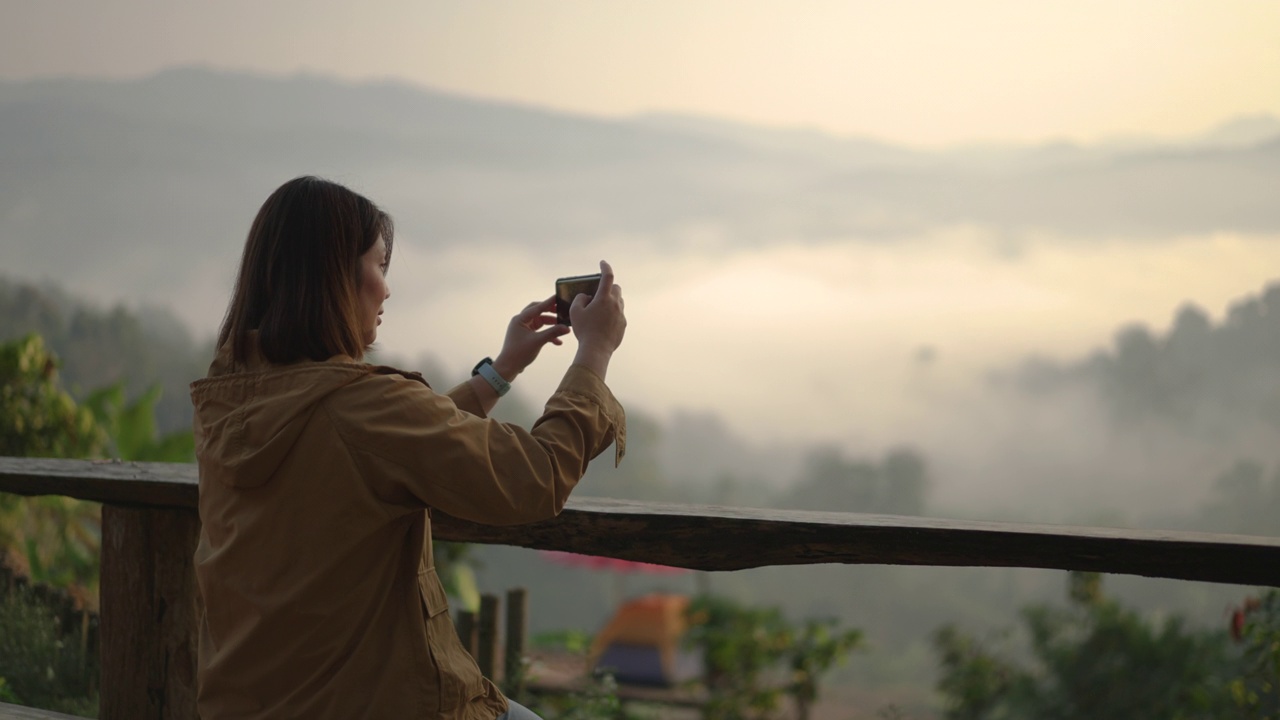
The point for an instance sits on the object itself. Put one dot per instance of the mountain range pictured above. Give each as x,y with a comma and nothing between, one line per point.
132,177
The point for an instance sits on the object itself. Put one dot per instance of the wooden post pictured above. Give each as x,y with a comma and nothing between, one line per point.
466,627
487,652
517,632
148,613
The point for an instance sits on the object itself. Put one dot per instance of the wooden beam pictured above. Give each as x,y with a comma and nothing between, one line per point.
722,538
104,481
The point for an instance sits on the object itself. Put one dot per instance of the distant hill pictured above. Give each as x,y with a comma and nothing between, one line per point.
98,347
151,182
1217,382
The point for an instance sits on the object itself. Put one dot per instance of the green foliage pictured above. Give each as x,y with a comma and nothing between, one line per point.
1098,659
38,418
975,681
39,667
577,642
131,427
1256,626
60,536
597,700
754,657
816,647
455,564
99,348
742,649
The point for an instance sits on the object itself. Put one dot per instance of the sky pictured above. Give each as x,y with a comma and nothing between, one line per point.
916,72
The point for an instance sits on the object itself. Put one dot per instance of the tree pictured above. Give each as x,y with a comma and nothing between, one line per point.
898,484
59,536
1255,626
37,417
1099,659
754,657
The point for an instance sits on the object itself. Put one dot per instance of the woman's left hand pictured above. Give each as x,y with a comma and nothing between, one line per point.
527,333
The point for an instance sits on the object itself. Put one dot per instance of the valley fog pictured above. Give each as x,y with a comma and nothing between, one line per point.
858,345
793,291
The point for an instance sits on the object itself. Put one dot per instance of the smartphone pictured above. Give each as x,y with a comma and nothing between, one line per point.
568,288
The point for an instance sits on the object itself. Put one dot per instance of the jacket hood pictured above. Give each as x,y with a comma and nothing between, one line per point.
248,416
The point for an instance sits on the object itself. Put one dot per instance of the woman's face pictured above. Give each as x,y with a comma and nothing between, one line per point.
373,289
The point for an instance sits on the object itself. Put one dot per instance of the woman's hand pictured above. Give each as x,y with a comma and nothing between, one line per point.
599,322
527,333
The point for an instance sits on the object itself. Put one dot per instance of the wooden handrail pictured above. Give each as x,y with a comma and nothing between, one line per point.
149,604
704,537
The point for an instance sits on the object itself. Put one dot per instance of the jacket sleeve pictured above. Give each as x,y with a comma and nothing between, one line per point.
464,396
418,448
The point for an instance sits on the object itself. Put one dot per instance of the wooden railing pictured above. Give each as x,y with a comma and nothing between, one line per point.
148,605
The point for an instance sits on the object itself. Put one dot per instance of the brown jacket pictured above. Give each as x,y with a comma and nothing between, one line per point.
314,564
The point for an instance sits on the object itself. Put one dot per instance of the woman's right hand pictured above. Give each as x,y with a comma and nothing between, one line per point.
598,322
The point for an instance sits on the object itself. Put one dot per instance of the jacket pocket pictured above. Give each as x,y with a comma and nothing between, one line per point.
456,672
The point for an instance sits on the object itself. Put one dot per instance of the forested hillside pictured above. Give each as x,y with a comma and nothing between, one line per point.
99,347
1205,379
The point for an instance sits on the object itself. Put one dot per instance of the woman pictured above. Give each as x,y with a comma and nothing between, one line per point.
318,473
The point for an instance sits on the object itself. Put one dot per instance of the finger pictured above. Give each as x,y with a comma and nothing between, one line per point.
542,321
537,307
606,279
551,334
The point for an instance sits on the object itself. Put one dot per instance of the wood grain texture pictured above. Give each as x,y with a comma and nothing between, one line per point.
148,614
120,483
722,538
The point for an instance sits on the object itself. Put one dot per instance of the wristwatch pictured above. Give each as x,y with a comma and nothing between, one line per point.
484,369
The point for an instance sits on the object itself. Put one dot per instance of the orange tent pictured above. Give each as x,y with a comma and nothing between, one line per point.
641,644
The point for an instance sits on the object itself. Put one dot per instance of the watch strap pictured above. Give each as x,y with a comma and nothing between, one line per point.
484,369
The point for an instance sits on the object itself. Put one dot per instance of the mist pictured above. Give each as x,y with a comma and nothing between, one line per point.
802,290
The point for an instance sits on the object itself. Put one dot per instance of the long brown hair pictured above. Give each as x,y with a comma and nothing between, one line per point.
299,277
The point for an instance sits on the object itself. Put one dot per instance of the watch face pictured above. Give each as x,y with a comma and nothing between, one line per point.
476,370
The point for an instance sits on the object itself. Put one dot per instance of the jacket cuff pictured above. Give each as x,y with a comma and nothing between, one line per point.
584,382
